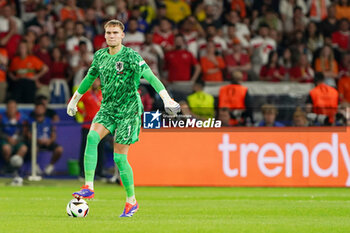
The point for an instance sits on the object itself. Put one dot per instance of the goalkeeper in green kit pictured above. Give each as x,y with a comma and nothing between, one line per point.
120,69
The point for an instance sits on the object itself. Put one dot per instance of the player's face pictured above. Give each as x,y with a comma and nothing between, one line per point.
114,36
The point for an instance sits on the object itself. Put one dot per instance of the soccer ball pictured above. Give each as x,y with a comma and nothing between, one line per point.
77,208
16,161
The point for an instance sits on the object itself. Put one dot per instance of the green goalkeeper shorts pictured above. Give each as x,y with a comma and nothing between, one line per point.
126,130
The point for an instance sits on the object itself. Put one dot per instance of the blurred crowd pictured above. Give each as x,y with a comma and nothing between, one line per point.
46,47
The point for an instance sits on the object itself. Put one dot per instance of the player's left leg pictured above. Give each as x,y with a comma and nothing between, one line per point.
127,177
127,133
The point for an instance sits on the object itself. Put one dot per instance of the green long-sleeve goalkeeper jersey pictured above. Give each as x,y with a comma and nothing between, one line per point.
120,79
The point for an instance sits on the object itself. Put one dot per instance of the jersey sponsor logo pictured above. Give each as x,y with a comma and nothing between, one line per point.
141,63
119,66
151,120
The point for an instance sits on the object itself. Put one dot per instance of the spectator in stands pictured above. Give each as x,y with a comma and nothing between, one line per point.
28,9
147,11
296,38
177,10
318,9
31,38
270,113
25,71
43,53
300,48
239,7
237,60
99,41
12,123
201,103
272,71
344,67
192,30
61,77
323,99
299,21
152,54
212,64
270,18
260,47
4,59
180,62
286,61
303,71
225,117
134,38
210,17
165,36
287,7
80,62
327,65
136,14
231,37
341,38
71,11
236,98
329,24
50,113
72,44
299,118
93,23
161,14
260,7
241,30
42,22
46,136
342,9
9,31
314,39
60,39
91,104
122,11
218,7
275,35
69,29
212,35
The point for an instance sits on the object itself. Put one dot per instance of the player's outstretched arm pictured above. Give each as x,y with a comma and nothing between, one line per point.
170,106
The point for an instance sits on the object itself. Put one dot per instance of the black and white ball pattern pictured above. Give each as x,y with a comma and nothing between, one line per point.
77,208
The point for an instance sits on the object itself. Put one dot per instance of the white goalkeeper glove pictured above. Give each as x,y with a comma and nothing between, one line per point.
170,106
72,105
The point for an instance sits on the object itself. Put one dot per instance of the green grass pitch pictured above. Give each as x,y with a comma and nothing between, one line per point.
41,207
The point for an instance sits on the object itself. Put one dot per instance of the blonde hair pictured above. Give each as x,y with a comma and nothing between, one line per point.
114,22
324,59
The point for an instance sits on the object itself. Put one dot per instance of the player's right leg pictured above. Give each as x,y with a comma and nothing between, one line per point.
96,133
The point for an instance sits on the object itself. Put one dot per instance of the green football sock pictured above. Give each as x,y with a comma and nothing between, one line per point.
126,174
90,158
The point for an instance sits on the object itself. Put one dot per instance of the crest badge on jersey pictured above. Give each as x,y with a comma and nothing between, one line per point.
119,66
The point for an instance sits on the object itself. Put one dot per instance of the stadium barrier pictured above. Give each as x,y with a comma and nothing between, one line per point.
298,157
